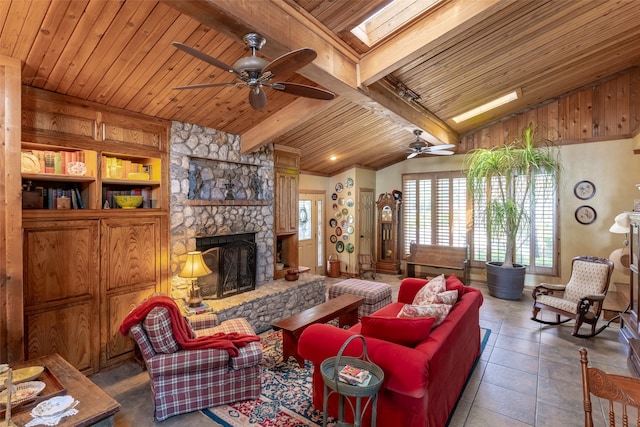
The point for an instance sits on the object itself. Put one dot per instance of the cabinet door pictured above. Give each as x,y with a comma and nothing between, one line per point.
286,203
131,254
61,297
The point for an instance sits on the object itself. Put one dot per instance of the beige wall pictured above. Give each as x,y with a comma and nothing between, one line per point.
610,165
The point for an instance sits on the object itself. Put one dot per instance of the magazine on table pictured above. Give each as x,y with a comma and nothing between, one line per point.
354,376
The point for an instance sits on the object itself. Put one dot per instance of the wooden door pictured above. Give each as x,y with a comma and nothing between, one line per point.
311,245
131,272
61,291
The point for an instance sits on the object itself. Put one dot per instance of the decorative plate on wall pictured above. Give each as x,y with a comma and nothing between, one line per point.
340,247
345,211
350,203
345,237
586,214
339,187
350,229
348,183
335,206
333,238
350,248
343,223
584,190
338,231
334,196
333,222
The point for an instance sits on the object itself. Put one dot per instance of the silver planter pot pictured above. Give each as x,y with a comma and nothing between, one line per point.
505,283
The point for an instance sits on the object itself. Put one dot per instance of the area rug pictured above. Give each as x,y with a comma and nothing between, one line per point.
286,393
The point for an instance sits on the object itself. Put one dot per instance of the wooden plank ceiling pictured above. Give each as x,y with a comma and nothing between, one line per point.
455,57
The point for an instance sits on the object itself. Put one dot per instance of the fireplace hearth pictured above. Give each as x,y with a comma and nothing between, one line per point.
232,260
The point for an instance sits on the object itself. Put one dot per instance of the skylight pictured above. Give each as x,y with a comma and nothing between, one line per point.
390,18
512,96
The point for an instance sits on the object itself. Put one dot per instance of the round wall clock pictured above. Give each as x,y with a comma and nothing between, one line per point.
584,190
585,214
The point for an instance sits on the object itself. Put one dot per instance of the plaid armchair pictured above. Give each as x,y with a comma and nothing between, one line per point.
188,380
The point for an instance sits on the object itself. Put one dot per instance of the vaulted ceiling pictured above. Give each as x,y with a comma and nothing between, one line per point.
455,57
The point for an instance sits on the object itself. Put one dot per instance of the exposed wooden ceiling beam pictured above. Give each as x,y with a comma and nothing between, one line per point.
434,29
335,68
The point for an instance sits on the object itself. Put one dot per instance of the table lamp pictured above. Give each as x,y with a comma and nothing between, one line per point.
194,267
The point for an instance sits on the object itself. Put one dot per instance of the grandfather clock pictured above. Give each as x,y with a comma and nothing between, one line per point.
388,234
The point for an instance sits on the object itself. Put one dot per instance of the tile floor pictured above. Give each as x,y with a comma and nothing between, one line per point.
528,375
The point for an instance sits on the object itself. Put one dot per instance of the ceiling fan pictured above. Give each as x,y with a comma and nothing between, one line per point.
420,147
255,72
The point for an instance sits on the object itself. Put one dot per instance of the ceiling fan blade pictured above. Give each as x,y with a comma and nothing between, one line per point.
290,62
440,152
205,85
412,155
206,58
303,90
441,147
258,100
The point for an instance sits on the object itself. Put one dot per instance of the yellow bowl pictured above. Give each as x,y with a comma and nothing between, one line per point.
128,202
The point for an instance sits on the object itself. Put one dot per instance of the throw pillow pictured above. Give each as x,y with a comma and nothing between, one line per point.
437,311
446,297
404,331
453,282
430,290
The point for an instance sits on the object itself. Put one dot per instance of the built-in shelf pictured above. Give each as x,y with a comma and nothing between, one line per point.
227,203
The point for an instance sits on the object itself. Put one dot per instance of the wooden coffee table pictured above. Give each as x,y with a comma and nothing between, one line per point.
345,307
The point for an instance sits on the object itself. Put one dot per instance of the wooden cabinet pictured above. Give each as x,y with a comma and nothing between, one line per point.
388,239
131,252
285,202
630,327
86,267
61,299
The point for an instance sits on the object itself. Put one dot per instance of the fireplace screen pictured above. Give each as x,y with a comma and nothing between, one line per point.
232,260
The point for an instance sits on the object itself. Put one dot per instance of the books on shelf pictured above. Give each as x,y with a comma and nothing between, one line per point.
55,162
113,167
354,376
73,195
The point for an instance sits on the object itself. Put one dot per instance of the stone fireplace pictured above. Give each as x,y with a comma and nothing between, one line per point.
205,164
232,260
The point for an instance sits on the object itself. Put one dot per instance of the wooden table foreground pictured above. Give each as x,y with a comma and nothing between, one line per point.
95,408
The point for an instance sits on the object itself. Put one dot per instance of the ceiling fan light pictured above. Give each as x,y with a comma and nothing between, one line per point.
512,96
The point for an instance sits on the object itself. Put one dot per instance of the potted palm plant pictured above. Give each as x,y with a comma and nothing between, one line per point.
510,169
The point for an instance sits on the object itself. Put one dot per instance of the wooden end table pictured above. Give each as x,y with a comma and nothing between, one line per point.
345,307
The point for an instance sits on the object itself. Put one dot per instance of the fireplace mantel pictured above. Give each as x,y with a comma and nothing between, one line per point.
227,202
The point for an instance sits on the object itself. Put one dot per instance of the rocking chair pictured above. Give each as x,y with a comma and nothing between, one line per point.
581,299
366,264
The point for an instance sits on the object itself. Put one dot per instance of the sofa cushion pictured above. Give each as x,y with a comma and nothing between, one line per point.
453,283
437,311
157,324
430,290
403,331
446,297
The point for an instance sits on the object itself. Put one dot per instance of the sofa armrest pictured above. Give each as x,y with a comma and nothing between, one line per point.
409,287
405,369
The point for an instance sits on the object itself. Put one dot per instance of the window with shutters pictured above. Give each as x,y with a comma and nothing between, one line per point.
435,213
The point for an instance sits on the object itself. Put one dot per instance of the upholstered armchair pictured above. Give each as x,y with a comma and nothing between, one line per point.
581,299
187,380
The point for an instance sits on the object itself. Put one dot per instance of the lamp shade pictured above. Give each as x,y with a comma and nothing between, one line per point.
194,266
621,224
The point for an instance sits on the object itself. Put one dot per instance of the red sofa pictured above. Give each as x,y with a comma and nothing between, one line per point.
422,384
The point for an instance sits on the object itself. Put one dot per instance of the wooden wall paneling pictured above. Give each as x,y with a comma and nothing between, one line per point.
61,283
11,304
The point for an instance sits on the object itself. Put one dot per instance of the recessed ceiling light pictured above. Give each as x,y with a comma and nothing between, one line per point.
486,107
333,158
